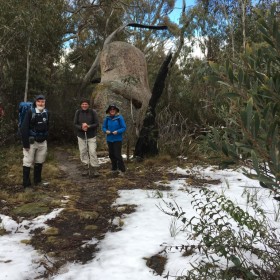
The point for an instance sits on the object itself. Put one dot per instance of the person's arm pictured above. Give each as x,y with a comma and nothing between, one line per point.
95,122
24,130
77,125
48,121
105,126
122,128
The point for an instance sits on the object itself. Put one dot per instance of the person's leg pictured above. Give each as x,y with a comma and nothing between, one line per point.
83,151
92,152
112,156
93,157
40,157
26,177
38,173
28,158
118,155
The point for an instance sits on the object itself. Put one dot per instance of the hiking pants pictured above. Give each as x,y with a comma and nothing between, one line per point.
88,151
115,155
36,154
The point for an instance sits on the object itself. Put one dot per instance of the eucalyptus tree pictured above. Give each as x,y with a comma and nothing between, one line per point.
31,38
89,23
252,86
100,22
149,12
31,35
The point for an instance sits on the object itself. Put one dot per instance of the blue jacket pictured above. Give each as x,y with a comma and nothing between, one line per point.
115,123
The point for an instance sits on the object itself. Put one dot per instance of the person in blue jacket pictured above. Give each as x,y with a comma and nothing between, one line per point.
114,126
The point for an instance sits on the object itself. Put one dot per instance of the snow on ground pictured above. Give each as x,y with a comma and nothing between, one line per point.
145,232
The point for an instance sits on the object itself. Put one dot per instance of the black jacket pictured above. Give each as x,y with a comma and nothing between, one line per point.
88,116
35,125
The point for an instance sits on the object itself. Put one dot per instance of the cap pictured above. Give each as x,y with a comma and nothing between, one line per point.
40,96
84,100
112,106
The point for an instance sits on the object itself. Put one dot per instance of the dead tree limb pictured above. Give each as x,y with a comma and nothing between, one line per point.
147,143
180,46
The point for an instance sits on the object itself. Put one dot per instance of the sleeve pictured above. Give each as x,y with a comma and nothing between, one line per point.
122,128
24,130
95,122
48,121
76,121
104,127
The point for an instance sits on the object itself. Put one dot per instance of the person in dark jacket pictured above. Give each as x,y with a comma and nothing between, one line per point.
34,134
114,126
86,123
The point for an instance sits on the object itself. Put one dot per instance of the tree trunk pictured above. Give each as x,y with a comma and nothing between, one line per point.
147,143
243,4
27,70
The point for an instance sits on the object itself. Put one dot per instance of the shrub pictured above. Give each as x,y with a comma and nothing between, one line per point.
252,122
236,244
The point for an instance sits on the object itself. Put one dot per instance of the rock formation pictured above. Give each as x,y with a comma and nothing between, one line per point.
124,82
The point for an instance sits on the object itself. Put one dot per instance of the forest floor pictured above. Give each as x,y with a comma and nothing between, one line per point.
88,209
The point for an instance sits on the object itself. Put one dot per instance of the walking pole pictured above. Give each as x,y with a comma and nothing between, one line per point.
87,153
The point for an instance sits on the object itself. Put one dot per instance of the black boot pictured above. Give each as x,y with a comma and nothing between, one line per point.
37,173
26,177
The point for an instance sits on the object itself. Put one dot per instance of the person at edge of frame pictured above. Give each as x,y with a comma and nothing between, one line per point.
34,134
114,126
86,123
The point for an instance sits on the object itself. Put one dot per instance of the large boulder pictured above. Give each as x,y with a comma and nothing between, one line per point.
124,82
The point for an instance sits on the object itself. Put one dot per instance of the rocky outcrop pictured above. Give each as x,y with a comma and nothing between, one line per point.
124,82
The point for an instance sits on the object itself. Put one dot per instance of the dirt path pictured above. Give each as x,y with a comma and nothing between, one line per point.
87,202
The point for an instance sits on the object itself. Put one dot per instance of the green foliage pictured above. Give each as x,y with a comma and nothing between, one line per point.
252,122
42,23
224,231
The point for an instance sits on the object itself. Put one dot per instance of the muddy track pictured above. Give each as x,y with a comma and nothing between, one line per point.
90,213
87,202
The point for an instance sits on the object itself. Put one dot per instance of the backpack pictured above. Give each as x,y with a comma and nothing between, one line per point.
22,109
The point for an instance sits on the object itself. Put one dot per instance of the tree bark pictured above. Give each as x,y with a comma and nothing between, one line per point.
27,69
243,4
147,143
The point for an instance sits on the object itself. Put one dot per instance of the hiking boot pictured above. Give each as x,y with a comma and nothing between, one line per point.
38,173
113,173
94,172
26,177
85,169
42,184
121,174
85,172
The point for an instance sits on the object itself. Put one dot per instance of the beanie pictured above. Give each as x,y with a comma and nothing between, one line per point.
40,96
85,100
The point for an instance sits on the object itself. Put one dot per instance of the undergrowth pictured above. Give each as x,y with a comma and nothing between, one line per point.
236,244
11,165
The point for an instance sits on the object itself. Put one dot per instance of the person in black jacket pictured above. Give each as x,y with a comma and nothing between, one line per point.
34,134
86,123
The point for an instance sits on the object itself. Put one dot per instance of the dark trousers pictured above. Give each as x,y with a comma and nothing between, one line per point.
115,155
